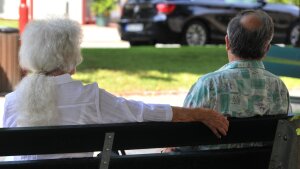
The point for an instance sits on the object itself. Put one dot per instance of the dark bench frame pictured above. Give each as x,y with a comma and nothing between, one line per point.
88,138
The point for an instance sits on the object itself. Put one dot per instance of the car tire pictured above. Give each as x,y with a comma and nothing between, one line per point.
294,37
141,43
195,34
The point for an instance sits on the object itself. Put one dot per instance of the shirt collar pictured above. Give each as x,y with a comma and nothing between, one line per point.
244,64
65,78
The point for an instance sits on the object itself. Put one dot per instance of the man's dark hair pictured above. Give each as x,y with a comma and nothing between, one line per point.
249,40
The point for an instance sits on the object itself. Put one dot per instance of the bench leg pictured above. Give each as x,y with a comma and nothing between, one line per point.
286,146
106,152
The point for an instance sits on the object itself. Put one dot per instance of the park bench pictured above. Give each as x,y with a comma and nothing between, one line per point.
280,133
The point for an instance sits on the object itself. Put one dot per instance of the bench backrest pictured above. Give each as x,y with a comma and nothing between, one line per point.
86,138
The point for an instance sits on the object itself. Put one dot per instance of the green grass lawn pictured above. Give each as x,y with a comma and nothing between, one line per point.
140,69
9,23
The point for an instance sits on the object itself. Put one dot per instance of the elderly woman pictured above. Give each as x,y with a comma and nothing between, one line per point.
50,50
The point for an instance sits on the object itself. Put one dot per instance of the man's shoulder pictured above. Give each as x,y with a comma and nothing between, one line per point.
269,74
273,76
217,75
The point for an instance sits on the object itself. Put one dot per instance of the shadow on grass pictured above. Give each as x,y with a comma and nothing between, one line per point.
166,79
148,68
196,60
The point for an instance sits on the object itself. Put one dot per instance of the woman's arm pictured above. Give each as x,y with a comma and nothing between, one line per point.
117,110
217,123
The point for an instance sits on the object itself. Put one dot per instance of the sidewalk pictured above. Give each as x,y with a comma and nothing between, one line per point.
102,37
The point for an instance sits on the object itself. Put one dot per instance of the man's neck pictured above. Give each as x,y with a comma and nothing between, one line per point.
232,57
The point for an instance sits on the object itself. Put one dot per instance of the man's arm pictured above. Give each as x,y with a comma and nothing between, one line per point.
217,123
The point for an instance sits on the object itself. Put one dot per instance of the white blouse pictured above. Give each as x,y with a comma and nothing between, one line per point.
88,104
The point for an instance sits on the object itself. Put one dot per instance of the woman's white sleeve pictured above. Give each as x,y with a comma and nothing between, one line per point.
118,109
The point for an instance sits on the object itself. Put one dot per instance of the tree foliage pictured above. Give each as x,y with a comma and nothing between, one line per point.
103,7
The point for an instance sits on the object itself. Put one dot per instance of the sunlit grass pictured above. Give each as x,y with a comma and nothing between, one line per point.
291,82
136,70
282,61
135,83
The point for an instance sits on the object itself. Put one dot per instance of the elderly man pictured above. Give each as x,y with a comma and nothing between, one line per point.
243,88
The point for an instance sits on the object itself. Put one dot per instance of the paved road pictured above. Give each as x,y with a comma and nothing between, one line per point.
102,37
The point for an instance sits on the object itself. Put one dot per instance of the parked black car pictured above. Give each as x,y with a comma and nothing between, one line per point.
199,22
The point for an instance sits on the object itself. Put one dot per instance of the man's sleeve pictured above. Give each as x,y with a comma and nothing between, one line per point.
198,96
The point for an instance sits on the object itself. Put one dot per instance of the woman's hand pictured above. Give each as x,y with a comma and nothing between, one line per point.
215,121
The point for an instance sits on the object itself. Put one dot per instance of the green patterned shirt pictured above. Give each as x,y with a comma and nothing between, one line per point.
240,89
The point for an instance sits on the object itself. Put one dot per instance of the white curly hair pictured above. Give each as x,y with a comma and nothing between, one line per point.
46,46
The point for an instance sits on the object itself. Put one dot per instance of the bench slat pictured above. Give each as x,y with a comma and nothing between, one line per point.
88,138
245,158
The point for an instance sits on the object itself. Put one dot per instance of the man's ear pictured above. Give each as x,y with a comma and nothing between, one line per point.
227,43
267,48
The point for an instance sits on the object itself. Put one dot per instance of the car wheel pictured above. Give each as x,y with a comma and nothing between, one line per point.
295,35
195,34
141,43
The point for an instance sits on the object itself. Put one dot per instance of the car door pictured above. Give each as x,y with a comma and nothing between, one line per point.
283,18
